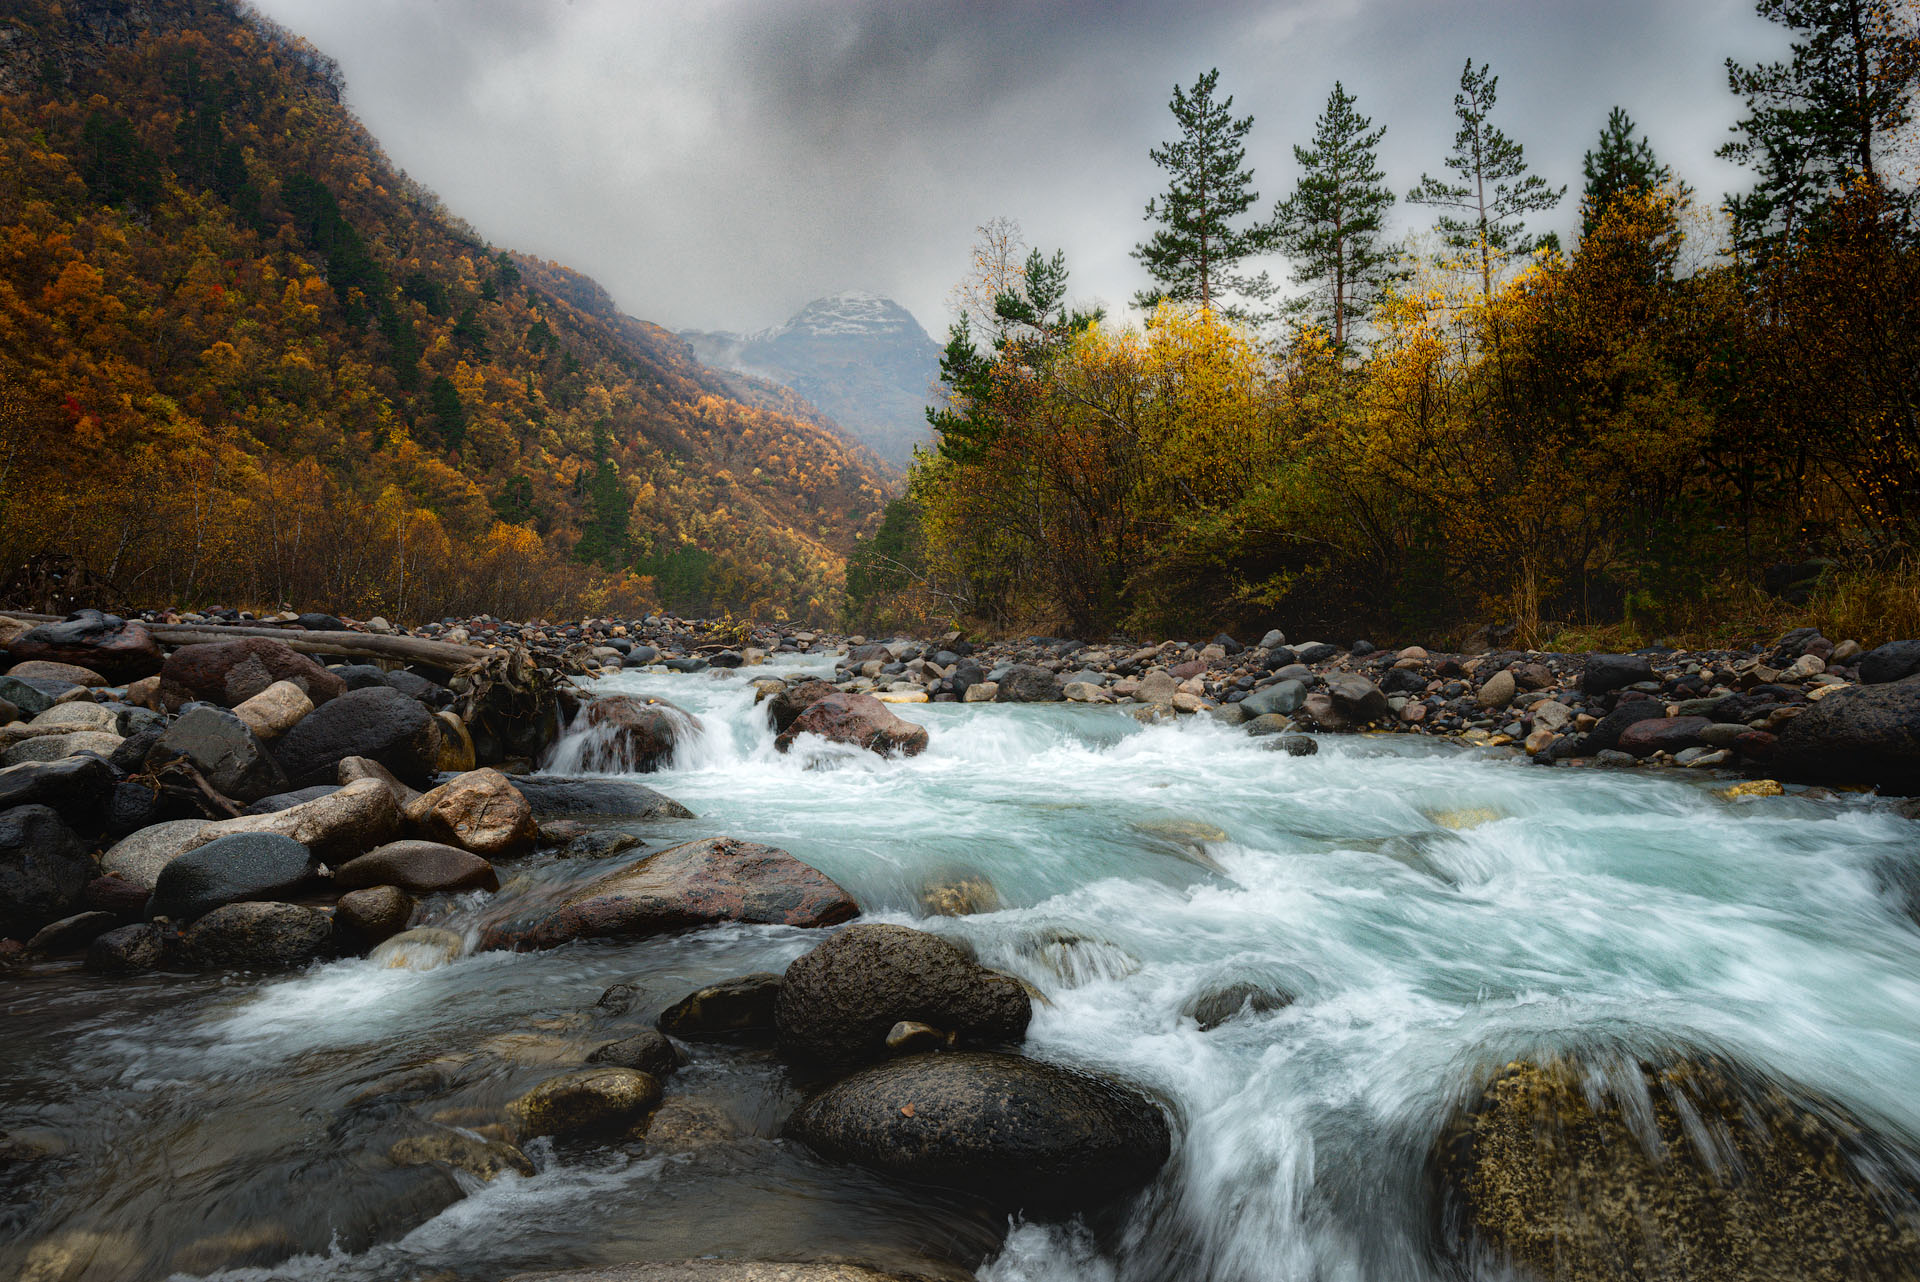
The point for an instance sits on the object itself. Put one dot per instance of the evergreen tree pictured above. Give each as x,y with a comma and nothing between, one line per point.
1622,163
1334,222
1495,192
1820,120
1194,255
448,415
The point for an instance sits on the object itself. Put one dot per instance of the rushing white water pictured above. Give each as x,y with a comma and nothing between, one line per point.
1434,913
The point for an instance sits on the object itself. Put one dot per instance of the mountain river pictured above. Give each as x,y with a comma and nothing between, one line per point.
1435,912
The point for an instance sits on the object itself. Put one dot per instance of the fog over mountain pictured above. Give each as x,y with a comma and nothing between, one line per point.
718,165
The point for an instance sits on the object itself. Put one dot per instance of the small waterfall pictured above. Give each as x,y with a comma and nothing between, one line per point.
623,734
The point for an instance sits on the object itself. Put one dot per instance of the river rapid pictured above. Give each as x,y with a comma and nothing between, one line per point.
1434,912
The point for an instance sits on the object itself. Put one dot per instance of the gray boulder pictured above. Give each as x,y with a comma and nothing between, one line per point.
733,1006
78,787
1282,697
1024,683
228,754
1894,661
553,796
1356,698
1605,673
379,723
243,866
128,950
43,868
1018,1132
258,936
1868,734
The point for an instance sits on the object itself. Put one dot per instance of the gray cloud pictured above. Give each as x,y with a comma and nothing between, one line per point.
717,164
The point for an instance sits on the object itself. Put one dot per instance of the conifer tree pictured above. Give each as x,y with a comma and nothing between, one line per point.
1623,162
1495,192
1820,120
1194,255
1333,224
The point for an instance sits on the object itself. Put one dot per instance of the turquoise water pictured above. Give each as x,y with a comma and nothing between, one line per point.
1434,913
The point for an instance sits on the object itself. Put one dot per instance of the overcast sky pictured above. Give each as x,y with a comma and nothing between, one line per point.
718,163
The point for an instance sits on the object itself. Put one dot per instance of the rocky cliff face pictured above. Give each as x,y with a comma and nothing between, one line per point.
862,359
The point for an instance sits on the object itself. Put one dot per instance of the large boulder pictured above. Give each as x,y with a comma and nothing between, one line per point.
231,672
380,724
259,936
64,674
1662,734
225,752
554,797
43,869
1687,1172
373,914
1356,698
137,859
634,734
423,867
1605,673
1018,1132
80,788
242,866
593,1101
790,701
478,811
1894,661
858,719
1630,712
335,828
1282,698
696,884
1867,735
116,649
839,1001
1024,683
53,747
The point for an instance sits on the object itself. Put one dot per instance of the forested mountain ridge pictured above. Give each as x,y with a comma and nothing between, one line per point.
244,357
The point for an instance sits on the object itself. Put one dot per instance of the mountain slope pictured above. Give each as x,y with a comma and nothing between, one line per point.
863,359
241,356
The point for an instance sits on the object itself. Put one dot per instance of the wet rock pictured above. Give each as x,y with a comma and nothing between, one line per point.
1685,1173
1294,745
638,735
733,1006
480,811
961,898
423,867
647,1052
1216,1006
599,798
1894,661
790,701
858,719
231,672
726,1271
71,934
696,884
44,866
422,948
381,725
111,646
1605,673
488,1159
77,787
1282,698
1270,723
1866,734
1662,734
275,710
374,914
839,1001
1018,1132
258,936
129,950
1605,736
593,1101
1024,683
618,999
225,752
1356,698
243,866
600,845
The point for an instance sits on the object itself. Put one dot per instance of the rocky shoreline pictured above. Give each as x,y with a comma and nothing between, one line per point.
173,800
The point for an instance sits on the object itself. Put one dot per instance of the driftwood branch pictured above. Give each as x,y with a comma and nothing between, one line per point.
345,645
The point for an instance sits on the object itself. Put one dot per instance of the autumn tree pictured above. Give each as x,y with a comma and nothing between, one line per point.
1494,191
1195,254
998,259
1334,223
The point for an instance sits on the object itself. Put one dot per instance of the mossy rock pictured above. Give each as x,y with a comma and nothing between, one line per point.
1688,1172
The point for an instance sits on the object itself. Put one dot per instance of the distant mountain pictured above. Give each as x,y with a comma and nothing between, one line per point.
863,360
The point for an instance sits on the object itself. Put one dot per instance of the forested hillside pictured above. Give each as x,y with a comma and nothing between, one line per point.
242,358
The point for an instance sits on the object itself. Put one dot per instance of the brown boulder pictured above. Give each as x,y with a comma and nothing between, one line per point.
116,649
858,719
793,700
424,867
478,811
699,883
231,672
49,670
1662,734
635,734
375,913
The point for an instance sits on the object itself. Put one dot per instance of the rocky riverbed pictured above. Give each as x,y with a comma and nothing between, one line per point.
908,974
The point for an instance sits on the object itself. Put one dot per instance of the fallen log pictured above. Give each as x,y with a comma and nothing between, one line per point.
343,645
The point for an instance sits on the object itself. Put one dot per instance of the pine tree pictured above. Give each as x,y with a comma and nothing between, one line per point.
1193,256
1622,163
1334,222
1820,120
1495,192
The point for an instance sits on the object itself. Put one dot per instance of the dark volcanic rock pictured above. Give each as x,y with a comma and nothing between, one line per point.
1894,661
1606,735
258,935
1218,1005
839,1001
1357,698
78,787
598,797
1686,1173
1869,734
859,719
242,866
424,867
695,884
380,724
117,650
1024,683
1605,673
43,869
231,672
1662,734
1018,1132
636,734
794,700
743,1005
225,752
